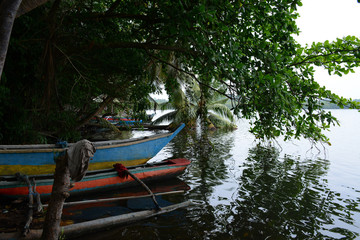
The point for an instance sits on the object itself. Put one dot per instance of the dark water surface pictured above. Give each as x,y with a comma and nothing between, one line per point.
241,190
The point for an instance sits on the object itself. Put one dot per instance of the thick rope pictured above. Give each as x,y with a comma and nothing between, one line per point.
123,172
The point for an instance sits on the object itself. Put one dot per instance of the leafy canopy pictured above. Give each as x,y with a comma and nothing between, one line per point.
67,53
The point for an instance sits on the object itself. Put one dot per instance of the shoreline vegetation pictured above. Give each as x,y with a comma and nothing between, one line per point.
326,104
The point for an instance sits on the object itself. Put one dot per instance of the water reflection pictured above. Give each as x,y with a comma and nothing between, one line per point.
265,195
276,198
279,198
208,172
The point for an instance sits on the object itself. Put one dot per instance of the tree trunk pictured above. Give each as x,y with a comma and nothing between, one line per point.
105,102
28,5
60,192
8,10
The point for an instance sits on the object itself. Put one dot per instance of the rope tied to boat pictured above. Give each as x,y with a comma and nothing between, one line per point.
62,144
123,172
32,193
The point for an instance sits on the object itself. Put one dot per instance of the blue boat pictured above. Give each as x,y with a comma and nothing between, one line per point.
118,121
40,158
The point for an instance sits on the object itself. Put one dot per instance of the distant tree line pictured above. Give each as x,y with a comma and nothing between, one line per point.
329,105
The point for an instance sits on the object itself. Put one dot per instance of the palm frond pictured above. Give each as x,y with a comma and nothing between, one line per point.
223,110
178,98
170,116
192,112
166,106
221,101
220,122
106,124
196,89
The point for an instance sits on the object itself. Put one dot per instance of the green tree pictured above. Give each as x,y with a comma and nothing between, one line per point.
64,54
188,105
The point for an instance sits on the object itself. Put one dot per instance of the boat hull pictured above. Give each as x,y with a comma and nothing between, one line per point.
40,159
102,180
122,121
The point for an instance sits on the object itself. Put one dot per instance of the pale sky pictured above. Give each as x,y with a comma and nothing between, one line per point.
322,20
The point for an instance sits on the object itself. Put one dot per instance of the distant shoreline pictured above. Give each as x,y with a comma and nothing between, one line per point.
327,105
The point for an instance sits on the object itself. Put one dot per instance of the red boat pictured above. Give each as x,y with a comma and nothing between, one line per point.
122,121
97,180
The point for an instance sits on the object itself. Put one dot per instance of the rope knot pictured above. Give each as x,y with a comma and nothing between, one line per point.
122,170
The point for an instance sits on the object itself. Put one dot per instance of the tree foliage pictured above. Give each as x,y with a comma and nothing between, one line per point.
67,53
187,106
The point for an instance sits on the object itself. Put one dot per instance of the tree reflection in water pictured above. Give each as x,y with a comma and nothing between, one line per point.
275,197
283,199
260,196
280,199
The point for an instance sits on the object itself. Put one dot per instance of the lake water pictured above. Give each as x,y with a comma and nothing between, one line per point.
242,190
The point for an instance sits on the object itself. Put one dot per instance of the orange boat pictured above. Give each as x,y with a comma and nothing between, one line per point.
96,180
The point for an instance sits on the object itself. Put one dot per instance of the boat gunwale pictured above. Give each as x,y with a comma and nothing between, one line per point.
52,147
91,177
98,145
176,162
128,142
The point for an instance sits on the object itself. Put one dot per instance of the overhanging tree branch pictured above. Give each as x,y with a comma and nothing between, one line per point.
125,16
28,5
113,6
141,46
8,10
105,102
308,59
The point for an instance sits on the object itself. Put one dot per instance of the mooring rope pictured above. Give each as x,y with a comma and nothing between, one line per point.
123,172
32,193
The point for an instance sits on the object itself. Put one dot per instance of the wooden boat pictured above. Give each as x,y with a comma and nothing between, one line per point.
84,228
119,121
83,208
94,181
40,158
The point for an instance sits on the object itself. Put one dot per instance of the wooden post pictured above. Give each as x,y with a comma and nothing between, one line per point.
60,192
